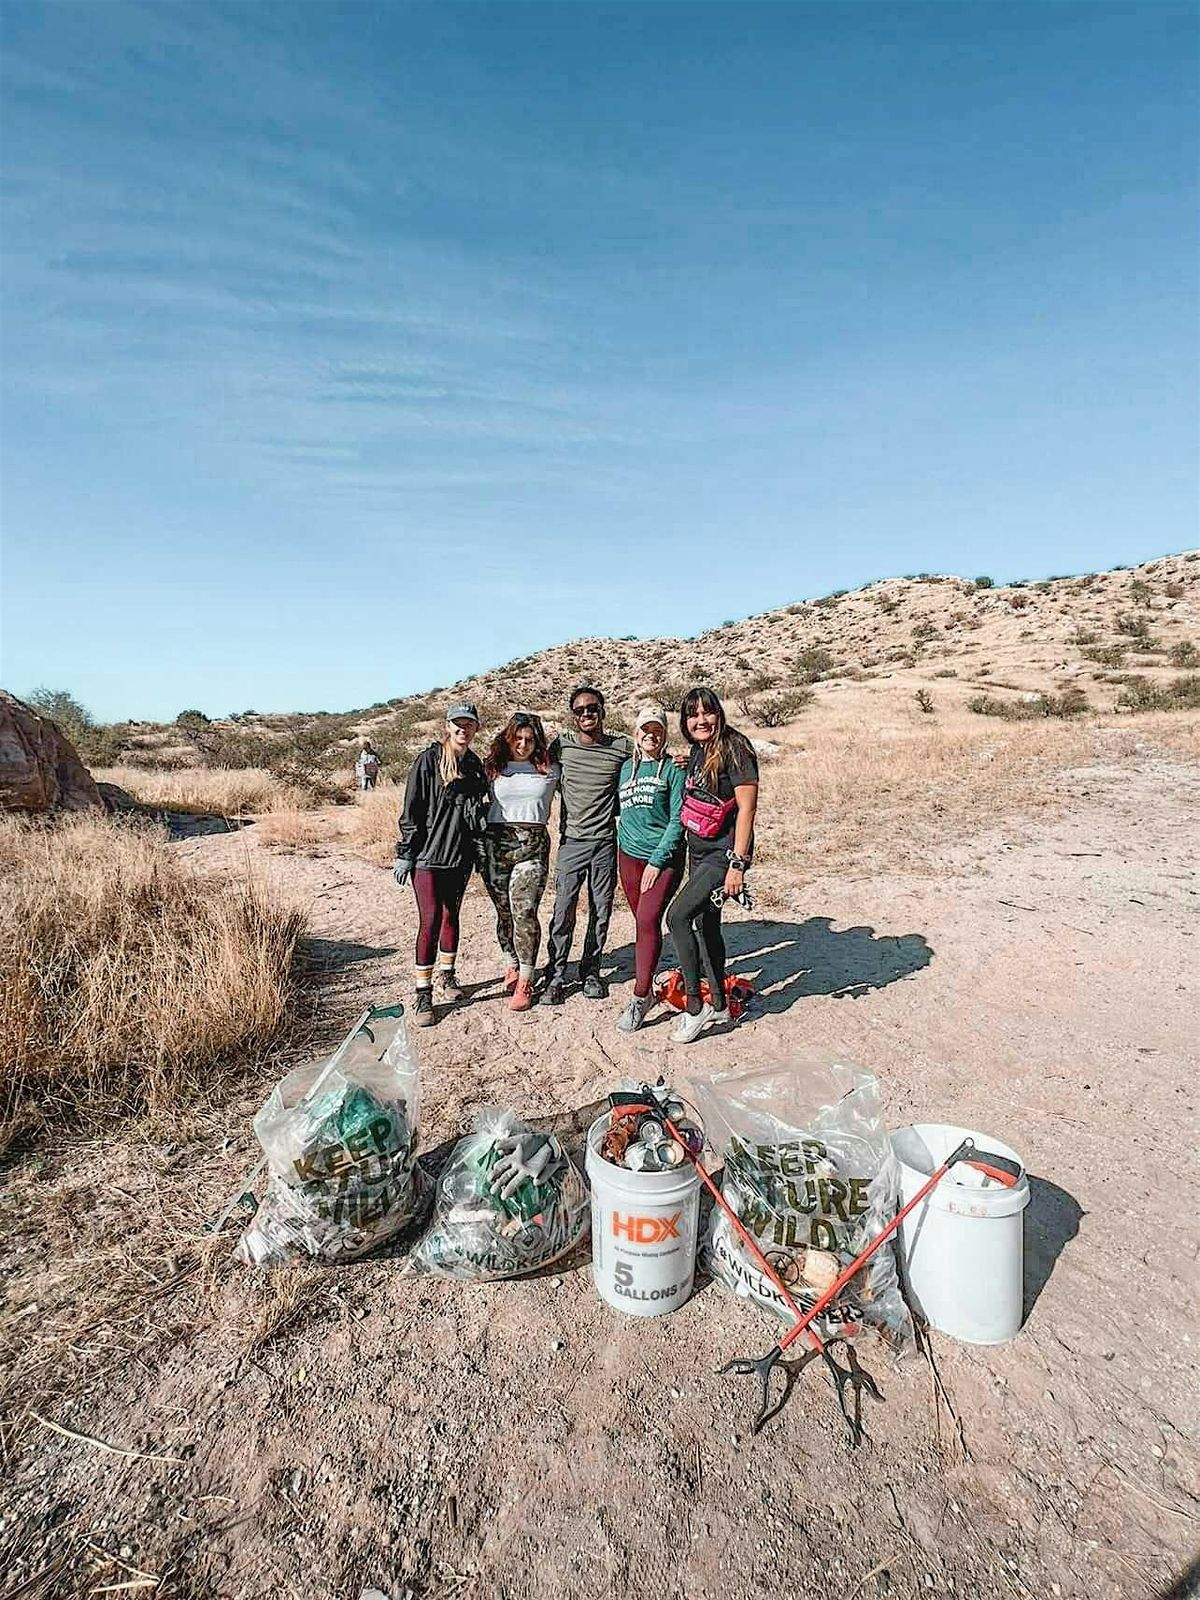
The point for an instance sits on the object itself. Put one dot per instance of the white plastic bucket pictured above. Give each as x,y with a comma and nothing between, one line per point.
643,1232
962,1251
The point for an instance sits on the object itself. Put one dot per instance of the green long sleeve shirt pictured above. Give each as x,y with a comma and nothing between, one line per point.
651,796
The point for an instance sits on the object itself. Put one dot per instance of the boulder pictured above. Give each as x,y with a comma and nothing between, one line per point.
39,768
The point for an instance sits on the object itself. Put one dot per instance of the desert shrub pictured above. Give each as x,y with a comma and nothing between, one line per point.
668,693
1184,654
776,709
1139,592
1071,703
1181,694
1018,601
925,630
124,978
985,583
758,683
809,664
98,743
1131,625
946,672
925,700
226,792
193,718
1173,591
1082,636
1107,655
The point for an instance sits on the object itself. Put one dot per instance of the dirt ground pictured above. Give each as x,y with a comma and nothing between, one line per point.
359,1427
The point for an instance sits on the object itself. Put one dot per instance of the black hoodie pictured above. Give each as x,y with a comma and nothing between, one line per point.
440,822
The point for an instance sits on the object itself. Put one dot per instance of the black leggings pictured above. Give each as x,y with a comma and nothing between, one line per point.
694,921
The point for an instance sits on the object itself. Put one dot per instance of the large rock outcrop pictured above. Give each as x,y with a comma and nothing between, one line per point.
39,768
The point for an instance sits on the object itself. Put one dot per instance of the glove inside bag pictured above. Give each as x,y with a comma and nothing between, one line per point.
508,1202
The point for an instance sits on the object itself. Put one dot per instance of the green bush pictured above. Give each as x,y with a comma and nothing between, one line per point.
810,663
1071,703
1181,694
1185,654
985,583
99,744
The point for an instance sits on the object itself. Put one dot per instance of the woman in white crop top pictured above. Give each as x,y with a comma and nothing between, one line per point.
515,850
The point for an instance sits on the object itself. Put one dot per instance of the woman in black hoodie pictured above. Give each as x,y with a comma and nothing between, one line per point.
445,810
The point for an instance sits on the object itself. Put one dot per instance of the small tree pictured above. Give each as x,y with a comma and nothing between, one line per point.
985,583
925,700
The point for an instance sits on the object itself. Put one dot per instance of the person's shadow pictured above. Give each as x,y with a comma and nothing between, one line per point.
789,961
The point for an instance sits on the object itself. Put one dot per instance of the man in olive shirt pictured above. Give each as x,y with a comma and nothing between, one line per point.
590,761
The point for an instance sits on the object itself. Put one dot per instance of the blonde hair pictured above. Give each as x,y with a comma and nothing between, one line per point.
449,766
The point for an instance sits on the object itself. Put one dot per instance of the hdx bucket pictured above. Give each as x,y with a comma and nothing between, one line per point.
643,1232
962,1252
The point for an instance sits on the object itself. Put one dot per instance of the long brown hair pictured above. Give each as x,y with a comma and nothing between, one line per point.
501,752
726,746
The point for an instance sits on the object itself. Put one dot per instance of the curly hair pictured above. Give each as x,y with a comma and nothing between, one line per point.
501,751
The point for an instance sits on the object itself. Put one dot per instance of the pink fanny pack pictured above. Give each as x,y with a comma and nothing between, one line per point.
705,818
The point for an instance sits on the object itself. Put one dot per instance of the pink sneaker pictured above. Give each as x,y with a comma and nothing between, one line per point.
511,974
522,995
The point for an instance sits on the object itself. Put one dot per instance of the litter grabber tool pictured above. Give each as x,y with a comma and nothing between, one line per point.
850,1376
998,1168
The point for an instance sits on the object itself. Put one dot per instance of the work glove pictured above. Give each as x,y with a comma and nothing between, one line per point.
531,1157
402,870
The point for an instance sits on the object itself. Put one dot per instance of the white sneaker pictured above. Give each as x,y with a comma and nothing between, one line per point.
690,1027
634,1013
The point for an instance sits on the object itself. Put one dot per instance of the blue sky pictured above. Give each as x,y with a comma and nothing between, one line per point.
352,348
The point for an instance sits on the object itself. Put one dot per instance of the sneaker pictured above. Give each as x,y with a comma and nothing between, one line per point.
511,974
423,1014
634,1013
522,995
450,986
594,987
690,1027
552,994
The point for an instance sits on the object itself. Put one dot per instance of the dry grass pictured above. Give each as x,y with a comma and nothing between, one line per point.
123,977
231,793
375,824
865,794
295,832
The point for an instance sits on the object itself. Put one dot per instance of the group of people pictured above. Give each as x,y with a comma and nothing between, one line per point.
677,833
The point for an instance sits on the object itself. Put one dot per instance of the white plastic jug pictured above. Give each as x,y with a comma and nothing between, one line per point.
643,1232
962,1251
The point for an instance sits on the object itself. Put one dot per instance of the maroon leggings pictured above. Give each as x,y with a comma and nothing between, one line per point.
439,892
648,911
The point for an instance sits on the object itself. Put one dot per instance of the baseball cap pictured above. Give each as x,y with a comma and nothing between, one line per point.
649,714
464,710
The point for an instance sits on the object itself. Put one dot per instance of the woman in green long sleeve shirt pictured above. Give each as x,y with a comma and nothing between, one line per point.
649,850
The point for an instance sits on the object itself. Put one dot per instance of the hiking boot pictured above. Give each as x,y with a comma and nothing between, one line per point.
451,989
522,995
423,1014
511,974
552,994
634,1013
690,1027
594,987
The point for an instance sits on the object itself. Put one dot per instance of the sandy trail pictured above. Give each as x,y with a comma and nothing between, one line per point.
520,1439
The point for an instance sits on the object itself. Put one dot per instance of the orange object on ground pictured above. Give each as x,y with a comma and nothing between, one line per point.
668,987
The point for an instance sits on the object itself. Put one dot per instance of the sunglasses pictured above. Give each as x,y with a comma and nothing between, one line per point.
590,710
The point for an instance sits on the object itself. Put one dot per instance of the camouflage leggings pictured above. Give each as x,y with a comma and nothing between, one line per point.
514,860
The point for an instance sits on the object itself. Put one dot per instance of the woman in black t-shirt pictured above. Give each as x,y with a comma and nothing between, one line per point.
719,801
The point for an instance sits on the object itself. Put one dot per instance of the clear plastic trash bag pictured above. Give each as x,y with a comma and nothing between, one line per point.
810,1173
509,1200
340,1140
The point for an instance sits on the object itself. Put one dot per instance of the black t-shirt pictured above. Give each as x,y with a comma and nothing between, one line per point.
738,771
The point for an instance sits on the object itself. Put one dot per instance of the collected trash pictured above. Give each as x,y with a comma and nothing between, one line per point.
810,1175
645,1201
962,1253
995,1166
668,988
340,1138
637,1136
509,1201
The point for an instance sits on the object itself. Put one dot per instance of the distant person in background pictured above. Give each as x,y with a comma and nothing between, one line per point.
590,761
367,766
515,851
719,803
445,811
649,850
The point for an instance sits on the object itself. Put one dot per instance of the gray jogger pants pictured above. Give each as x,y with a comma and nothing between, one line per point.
580,861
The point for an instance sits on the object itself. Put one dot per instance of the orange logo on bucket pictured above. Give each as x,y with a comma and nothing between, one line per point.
646,1230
